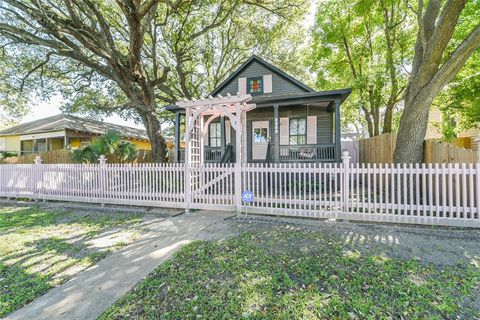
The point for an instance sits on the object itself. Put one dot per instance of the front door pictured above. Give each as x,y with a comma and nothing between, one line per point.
260,137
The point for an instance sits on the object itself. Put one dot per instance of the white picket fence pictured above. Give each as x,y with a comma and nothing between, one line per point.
446,194
126,184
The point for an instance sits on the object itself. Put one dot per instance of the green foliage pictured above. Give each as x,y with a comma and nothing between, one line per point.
460,99
13,104
110,143
447,127
7,154
366,45
289,274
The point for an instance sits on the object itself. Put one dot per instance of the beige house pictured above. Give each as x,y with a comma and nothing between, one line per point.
433,130
63,132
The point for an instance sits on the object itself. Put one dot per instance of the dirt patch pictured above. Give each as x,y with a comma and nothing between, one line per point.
440,246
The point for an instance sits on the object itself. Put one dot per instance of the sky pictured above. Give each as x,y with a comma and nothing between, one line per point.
52,107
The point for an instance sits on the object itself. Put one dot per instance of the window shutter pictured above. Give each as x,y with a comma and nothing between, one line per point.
312,130
267,83
242,85
284,131
228,132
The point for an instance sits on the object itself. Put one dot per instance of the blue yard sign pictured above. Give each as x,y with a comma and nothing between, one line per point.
247,196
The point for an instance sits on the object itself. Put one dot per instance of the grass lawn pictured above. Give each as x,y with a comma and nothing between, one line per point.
40,249
282,274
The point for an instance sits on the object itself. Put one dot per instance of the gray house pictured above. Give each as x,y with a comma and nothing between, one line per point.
291,121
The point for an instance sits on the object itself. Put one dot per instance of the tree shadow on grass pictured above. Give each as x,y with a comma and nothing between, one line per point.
48,260
14,218
18,287
27,274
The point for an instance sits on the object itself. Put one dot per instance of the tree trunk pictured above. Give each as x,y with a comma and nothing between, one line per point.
154,132
412,130
387,119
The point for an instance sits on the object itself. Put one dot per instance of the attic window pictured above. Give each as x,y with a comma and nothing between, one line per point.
255,85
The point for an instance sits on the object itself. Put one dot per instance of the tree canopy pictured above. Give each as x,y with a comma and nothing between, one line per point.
133,57
13,106
369,50
460,99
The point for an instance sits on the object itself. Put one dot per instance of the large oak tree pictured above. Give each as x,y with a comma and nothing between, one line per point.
133,56
436,62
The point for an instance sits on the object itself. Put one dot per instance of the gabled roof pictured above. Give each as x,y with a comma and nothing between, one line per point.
69,122
267,65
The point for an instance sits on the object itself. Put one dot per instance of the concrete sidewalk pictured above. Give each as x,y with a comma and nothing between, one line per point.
92,291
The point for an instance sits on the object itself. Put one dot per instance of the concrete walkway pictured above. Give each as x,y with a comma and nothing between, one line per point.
92,291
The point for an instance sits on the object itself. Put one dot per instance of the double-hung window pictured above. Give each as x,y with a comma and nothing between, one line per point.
214,134
298,131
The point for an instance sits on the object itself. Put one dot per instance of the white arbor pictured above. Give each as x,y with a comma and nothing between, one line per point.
199,114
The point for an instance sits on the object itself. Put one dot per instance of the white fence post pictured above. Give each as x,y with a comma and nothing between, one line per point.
478,149
103,168
36,177
102,160
478,178
346,180
38,160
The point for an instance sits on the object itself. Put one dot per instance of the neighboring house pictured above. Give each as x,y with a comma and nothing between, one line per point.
308,121
467,137
63,132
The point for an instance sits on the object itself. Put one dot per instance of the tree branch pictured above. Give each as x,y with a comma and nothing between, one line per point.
455,62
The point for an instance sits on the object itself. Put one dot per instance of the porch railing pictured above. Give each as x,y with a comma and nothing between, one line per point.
212,154
288,153
307,153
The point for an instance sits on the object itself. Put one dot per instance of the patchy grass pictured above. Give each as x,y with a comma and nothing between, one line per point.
40,248
296,275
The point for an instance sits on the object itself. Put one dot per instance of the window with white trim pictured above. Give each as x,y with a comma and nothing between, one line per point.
215,134
298,131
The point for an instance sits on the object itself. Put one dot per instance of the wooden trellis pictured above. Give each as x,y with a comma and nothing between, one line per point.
199,114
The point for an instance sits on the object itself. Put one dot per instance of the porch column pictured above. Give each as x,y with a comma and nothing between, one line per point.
188,168
338,147
177,136
65,141
202,138
276,132
238,156
223,133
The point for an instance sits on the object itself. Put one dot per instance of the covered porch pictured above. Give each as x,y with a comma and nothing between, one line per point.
281,129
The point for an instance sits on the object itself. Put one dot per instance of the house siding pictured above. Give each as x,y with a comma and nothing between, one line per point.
142,145
324,130
324,123
280,85
12,143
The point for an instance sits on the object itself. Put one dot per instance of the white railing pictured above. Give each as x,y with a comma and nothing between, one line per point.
445,194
